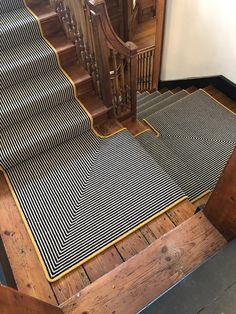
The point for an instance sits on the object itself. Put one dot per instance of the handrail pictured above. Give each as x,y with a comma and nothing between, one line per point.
111,62
99,7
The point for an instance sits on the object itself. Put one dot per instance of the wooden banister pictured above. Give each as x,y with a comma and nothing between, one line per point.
221,207
111,62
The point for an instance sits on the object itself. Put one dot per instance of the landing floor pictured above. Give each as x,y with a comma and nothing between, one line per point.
145,34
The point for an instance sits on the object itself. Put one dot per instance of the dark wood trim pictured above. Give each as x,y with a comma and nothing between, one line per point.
221,207
14,302
160,19
220,82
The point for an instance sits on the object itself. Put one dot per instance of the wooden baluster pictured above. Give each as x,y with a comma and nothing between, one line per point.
133,77
151,70
122,82
140,71
142,67
102,59
87,24
148,71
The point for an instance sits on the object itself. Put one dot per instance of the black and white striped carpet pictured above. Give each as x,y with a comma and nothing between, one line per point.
197,137
77,193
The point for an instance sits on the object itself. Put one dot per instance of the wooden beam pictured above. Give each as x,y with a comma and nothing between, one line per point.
135,283
221,207
14,302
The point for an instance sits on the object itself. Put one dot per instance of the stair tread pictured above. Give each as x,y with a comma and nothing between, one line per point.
7,29
12,72
156,100
77,73
93,104
60,42
140,96
155,107
172,164
38,133
24,98
43,11
147,98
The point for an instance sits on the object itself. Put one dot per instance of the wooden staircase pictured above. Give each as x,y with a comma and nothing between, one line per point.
133,272
66,51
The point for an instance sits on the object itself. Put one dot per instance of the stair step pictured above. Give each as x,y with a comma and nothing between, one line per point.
212,285
155,107
176,90
43,131
96,108
140,96
155,100
82,80
163,90
65,48
151,272
25,98
172,164
48,18
14,72
147,98
191,89
8,41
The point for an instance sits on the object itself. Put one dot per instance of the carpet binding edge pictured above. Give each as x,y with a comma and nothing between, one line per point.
90,256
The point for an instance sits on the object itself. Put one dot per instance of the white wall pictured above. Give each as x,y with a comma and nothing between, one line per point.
200,39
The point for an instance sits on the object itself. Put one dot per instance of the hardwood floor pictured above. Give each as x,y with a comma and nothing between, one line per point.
145,34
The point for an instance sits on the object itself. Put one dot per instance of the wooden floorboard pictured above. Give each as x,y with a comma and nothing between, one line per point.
26,268
132,285
181,212
70,284
144,35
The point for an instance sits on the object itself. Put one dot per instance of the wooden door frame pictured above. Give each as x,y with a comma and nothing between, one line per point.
160,19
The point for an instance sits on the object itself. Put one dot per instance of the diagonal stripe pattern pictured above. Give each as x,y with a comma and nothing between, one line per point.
77,192
200,133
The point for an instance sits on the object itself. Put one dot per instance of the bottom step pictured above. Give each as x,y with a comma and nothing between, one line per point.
209,289
135,283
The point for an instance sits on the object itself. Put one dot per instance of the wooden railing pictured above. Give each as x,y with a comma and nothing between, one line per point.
111,63
145,68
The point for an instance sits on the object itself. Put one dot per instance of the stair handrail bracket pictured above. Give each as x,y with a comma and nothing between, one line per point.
116,61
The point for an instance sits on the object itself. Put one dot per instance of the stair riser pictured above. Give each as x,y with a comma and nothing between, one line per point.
67,56
84,87
51,26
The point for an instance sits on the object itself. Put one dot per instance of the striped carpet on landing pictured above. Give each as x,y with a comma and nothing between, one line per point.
199,133
78,193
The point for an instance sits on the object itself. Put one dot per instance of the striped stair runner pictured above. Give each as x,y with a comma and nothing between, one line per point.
78,193
195,136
